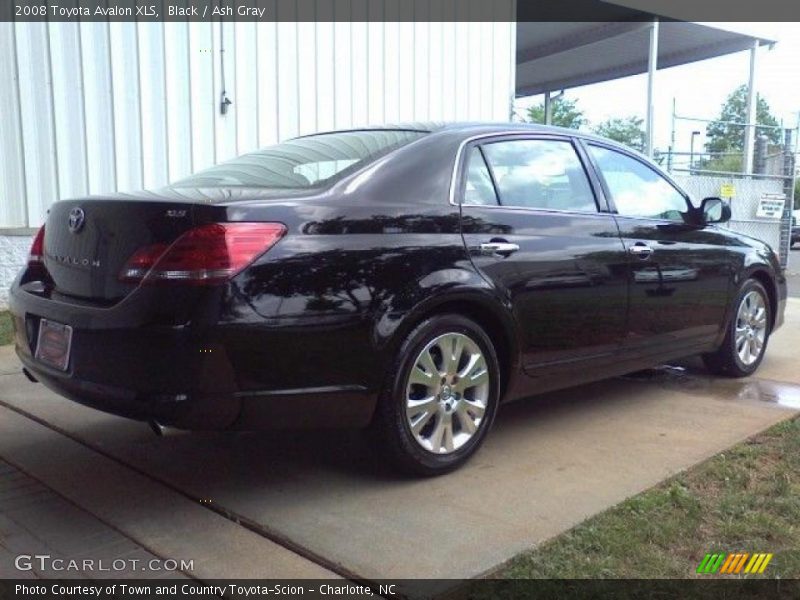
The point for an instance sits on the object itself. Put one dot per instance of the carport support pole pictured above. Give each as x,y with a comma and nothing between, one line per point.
750,129
652,65
548,109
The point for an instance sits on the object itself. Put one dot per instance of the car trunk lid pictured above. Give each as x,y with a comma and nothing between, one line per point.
88,242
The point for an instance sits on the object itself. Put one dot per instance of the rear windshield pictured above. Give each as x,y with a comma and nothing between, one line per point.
303,162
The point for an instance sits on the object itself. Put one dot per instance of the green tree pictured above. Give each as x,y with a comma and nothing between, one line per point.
565,113
724,137
625,130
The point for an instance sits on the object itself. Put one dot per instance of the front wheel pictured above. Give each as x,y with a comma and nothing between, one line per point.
443,396
748,332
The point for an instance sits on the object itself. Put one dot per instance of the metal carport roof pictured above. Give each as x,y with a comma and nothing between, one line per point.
619,41
555,55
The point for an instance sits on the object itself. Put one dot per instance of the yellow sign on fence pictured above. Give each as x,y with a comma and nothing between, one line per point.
726,190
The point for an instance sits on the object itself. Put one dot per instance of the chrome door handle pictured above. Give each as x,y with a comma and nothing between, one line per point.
640,250
502,248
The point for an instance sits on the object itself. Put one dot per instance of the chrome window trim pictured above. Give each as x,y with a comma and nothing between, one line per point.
522,135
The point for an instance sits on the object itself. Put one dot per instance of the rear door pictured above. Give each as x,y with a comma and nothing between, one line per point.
681,274
534,229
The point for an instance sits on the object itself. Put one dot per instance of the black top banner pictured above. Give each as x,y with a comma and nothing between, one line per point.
398,10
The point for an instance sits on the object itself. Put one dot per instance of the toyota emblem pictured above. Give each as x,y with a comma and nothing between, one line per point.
76,219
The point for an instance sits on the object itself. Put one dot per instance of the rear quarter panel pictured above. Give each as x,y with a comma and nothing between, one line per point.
325,306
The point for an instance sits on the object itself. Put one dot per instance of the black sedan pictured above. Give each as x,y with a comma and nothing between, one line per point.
409,279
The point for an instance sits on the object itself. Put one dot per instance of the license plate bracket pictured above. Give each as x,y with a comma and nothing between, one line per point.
53,344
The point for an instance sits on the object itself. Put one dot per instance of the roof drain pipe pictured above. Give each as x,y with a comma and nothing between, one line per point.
224,101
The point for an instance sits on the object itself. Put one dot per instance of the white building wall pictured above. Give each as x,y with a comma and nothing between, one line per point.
13,254
92,108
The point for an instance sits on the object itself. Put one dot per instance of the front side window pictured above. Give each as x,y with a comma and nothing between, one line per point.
545,174
638,190
305,162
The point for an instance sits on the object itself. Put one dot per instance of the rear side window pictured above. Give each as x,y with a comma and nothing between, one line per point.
306,162
638,190
479,188
543,174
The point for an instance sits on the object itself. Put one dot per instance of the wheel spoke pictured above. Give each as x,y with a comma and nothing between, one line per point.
452,351
421,377
473,375
744,353
472,362
425,361
448,433
476,379
474,408
744,308
437,434
414,407
418,423
466,420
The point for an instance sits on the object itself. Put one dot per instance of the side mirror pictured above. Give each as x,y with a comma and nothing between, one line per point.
715,210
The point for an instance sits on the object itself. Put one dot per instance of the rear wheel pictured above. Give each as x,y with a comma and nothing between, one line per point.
443,396
748,332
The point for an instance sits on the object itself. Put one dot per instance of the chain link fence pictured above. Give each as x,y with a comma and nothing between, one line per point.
745,195
760,188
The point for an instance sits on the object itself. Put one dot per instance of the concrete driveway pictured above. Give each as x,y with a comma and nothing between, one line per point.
320,503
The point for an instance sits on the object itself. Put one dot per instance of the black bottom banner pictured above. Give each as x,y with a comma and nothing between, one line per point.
489,589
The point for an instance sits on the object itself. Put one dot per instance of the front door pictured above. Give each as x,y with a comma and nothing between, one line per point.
681,274
534,229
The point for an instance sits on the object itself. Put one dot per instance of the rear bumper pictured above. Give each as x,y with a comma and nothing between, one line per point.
183,374
182,410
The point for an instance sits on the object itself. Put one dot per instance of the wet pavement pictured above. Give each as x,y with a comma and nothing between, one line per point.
322,500
794,279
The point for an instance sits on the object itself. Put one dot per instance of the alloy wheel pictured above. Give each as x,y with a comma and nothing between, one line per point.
447,393
751,327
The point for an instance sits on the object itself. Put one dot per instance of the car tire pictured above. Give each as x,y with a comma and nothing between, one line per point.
747,335
424,413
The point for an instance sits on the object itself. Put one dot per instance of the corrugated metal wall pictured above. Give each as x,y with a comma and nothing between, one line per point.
98,107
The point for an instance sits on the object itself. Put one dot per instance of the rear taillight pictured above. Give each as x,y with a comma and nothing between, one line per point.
205,255
36,256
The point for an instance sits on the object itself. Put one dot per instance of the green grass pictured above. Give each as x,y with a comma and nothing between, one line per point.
6,333
746,499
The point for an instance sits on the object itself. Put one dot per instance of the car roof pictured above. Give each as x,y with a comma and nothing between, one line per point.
469,128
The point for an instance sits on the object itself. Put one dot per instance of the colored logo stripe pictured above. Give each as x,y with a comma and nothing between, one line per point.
758,563
711,563
734,563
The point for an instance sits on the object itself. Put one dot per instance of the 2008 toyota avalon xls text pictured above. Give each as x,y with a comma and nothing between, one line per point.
409,279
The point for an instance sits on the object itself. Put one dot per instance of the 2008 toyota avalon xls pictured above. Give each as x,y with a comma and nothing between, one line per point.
408,278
